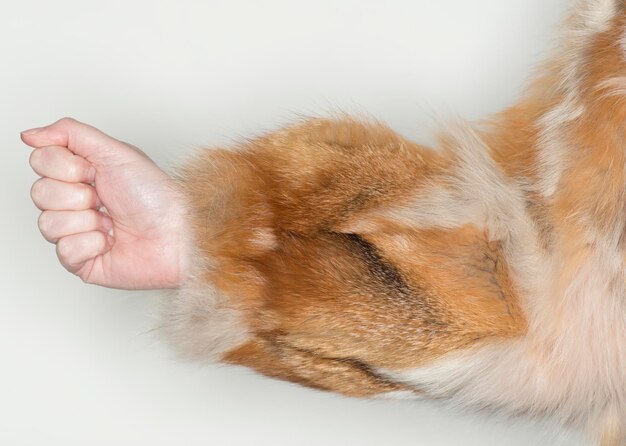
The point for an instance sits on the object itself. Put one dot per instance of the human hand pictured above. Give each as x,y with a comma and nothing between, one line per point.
136,241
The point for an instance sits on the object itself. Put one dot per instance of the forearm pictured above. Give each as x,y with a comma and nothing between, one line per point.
298,273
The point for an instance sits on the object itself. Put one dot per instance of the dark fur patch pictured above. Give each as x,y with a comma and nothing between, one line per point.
383,271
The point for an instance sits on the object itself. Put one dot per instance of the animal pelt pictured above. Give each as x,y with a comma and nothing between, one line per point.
489,272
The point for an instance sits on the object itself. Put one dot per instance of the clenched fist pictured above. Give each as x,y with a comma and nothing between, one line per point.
114,215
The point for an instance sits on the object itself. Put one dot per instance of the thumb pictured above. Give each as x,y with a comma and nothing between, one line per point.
81,139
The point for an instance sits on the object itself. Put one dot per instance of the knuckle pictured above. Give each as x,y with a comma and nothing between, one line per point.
64,250
44,222
37,190
66,120
35,160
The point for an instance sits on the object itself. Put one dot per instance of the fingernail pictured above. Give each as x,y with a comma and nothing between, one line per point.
31,131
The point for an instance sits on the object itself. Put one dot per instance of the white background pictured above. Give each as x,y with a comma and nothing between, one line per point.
78,363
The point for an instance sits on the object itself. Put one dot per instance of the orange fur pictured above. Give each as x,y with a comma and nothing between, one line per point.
360,262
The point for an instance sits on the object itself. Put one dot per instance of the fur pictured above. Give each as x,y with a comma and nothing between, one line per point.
489,272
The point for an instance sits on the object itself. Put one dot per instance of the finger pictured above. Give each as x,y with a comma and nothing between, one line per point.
81,139
74,250
61,164
55,225
60,196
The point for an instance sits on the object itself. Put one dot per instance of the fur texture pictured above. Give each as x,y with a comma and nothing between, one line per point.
489,272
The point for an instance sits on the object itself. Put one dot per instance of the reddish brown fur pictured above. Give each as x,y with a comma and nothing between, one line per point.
332,289
324,297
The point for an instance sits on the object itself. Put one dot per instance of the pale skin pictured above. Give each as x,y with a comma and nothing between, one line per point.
114,215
